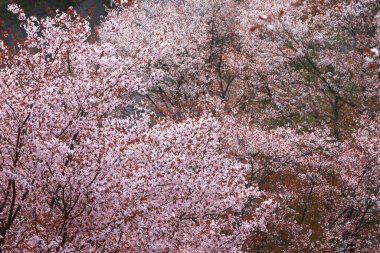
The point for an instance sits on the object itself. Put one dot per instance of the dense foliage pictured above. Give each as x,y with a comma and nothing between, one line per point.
193,126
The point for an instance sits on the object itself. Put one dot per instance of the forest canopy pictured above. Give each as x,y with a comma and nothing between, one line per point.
193,126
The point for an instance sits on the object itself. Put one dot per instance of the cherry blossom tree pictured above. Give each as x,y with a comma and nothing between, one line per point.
316,61
193,47
54,94
327,192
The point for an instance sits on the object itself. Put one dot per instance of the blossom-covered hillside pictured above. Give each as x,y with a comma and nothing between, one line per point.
193,126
